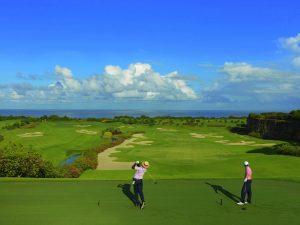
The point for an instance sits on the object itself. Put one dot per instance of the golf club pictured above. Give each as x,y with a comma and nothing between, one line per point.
154,180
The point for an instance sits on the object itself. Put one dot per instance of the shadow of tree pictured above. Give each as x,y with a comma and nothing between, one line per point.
266,151
239,130
126,191
220,189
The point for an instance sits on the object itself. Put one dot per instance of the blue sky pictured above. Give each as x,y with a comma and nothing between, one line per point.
150,54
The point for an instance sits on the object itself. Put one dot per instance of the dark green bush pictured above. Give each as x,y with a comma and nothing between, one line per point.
25,164
287,149
71,171
255,134
112,130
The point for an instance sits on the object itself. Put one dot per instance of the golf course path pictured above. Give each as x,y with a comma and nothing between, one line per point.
107,162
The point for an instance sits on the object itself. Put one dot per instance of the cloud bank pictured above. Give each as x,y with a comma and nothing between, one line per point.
137,82
243,82
292,44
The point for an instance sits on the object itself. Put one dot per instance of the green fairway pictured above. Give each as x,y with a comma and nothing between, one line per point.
57,140
176,154
168,202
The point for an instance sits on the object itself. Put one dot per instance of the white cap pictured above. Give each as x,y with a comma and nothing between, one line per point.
246,163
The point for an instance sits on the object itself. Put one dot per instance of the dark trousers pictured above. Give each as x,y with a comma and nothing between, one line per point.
246,190
138,190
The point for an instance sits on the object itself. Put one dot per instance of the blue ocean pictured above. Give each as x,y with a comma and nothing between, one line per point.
112,113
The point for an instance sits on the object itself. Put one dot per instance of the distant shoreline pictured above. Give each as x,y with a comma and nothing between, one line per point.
105,113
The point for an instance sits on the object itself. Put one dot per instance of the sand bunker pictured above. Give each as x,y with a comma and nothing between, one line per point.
264,145
249,143
226,142
218,136
83,125
86,131
34,134
143,143
241,143
107,162
139,135
222,141
195,135
167,130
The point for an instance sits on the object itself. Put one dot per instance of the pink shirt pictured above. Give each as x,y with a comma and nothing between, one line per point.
139,172
248,173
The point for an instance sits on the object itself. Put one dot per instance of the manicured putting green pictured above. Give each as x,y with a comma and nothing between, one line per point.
53,202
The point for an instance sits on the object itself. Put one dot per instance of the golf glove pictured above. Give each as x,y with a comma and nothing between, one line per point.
245,180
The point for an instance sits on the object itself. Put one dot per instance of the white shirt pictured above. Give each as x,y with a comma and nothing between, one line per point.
140,171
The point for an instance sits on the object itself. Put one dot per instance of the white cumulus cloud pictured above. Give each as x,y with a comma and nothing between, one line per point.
291,43
139,82
65,72
296,61
239,72
14,95
67,76
244,82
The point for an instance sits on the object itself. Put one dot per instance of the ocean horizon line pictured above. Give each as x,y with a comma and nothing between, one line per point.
110,113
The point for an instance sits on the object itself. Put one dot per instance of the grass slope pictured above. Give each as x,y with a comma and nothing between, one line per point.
168,202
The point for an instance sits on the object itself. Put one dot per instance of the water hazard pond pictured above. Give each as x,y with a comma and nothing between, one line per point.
70,159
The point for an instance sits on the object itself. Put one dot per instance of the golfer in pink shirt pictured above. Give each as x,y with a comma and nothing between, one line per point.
140,170
246,190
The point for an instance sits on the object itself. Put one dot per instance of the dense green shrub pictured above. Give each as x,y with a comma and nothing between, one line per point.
71,171
107,135
25,164
19,161
255,134
287,149
112,130
86,162
293,115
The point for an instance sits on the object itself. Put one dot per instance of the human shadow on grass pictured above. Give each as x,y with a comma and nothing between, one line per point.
220,189
126,191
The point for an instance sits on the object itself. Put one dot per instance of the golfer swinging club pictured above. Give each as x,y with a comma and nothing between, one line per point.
138,181
247,185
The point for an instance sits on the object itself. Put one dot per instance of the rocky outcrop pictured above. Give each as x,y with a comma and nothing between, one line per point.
274,128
